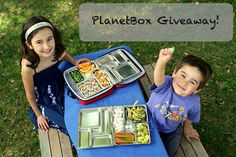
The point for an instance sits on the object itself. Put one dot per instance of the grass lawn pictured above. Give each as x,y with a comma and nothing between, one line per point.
218,118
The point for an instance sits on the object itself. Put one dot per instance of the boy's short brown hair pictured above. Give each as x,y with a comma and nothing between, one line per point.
202,65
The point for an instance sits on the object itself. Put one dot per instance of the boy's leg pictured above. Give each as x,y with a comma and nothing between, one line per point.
172,140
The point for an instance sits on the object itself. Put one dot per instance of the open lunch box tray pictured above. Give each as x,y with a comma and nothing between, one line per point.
114,69
113,126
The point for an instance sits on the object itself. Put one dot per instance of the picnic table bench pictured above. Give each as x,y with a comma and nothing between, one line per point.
54,144
57,144
187,149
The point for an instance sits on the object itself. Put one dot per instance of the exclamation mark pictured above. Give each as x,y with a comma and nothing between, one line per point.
217,19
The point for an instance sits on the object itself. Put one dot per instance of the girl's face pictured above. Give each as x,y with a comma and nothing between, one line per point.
186,80
43,43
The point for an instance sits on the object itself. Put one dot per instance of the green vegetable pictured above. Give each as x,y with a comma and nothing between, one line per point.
136,113
143,133
76,76
172,49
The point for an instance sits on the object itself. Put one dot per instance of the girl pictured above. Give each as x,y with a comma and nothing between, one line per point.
41,50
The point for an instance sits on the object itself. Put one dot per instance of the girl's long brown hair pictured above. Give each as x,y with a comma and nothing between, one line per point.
31,55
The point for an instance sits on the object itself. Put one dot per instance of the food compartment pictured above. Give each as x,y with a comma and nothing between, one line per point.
118,117
124,138
90,118
76,76
105,60
97,130
89,87
103,140
129,127
119,56
136,113
143,133
127,70
106,125
84,138
102,78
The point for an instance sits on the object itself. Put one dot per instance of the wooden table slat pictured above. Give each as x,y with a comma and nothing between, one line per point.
153,65
198,148
65,145
149,71
55,143
145,84
187,148
44,143
180,153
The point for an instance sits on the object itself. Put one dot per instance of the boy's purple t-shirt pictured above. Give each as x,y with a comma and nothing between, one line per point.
169,109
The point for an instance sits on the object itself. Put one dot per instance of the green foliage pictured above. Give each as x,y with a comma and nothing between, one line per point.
218,121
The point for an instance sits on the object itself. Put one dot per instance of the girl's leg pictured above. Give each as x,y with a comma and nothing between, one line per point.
56,119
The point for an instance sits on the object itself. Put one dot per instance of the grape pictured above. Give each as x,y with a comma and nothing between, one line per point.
172,49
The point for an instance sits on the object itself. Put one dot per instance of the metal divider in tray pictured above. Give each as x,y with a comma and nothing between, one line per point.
113,126
116,67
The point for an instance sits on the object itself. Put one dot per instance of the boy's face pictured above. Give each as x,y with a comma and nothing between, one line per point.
186,80
43,43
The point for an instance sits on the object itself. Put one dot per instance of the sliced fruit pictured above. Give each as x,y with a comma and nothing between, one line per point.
84,65
85,69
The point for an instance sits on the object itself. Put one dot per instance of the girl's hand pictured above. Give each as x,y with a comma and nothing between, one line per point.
81,60
165,55
42,123
190,132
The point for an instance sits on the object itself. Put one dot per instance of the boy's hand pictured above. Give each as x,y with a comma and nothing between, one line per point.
165,55
190,132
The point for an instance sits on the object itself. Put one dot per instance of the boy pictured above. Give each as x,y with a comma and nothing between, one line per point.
173,102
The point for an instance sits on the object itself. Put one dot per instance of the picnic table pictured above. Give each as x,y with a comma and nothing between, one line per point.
57,144
121,96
